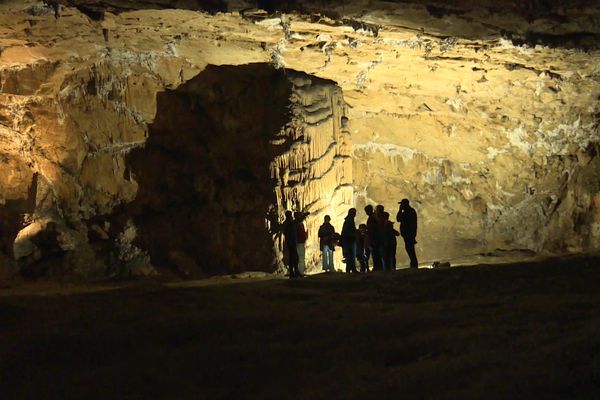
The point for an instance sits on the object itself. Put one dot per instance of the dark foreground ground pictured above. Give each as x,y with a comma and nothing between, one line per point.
512,331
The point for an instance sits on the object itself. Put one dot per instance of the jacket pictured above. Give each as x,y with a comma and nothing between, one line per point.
408,222
326,236
348,231
301,234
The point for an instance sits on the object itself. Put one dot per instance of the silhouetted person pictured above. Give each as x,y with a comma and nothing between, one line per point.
379,211
389,243
349,240
327,243
362,248
301,237
374,234
407,216
289,232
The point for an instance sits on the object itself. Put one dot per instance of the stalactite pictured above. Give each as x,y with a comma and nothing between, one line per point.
315,174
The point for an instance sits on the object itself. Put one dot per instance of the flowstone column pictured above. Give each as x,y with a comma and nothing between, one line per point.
314,173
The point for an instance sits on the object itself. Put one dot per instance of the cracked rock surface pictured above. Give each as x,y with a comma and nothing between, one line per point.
489,125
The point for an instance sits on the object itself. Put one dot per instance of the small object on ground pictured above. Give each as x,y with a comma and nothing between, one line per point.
438,264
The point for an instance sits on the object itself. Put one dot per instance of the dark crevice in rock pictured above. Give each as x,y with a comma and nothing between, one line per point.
516,66
440,12
95,9
453,58
360,25
93,13
579,40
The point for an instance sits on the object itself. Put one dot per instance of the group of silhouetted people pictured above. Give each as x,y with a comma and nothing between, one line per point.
295,236
376,239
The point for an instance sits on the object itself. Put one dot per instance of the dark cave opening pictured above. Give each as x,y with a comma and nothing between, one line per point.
204,177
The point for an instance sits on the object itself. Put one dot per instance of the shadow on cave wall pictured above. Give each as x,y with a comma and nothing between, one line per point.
204,178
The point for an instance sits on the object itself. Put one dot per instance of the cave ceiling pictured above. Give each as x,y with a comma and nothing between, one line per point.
548,22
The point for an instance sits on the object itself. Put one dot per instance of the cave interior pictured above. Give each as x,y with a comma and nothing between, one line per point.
153,137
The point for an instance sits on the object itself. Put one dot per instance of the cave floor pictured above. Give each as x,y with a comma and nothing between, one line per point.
507,331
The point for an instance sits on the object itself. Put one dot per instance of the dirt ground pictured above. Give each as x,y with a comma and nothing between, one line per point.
520,330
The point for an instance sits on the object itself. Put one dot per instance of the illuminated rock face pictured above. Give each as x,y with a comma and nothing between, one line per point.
223,149
314,174
496,144
190,190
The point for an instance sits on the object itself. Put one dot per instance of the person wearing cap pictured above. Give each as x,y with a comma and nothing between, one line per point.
407,216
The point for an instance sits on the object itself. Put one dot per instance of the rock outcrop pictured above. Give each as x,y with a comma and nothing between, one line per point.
225,148
490,127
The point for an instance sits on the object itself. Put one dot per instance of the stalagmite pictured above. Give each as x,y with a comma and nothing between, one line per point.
315,176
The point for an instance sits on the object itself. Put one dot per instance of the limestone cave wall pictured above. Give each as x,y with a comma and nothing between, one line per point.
489,125
223,149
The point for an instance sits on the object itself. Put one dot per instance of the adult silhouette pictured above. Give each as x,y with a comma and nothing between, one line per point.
327,243
289,232
389,243
374,234
407,216
349,241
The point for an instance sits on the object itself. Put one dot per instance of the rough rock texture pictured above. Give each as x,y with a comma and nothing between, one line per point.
223,149
489,125
203,174
315,173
